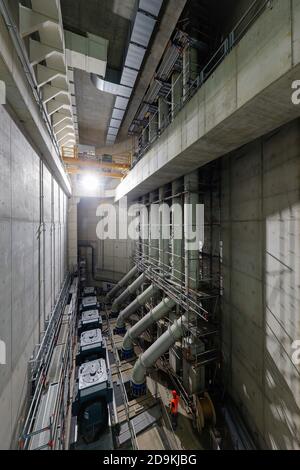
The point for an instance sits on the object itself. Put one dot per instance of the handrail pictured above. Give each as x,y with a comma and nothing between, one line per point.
123,389
41,362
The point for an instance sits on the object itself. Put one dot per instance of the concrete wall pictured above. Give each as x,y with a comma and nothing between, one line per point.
228,14
261,304
113,257
32,264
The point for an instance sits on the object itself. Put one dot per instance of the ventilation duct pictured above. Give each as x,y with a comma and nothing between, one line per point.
141,32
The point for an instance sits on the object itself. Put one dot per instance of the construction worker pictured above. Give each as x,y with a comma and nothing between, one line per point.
174,408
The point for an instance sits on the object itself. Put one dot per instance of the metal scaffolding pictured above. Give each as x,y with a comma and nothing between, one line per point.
202,304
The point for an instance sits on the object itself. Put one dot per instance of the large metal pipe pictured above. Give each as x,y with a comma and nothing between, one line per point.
164,234
130,290
153,316
144,226
154,227
192,237
121,283
177,233
133,307
157,349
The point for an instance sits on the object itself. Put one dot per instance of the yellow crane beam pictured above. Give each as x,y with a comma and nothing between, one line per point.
94,164
79,171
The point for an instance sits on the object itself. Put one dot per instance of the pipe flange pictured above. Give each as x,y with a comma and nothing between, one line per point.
127,353
138,390
120,331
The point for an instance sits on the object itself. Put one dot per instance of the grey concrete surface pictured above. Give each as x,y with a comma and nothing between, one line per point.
25,299
261,304
20,98
112,256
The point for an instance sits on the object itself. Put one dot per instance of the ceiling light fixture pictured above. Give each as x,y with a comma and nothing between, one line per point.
90,182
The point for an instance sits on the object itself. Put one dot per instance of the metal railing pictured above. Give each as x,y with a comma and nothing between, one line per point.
241,28
40,363
122,386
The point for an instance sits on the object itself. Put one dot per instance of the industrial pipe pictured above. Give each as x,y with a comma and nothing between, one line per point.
133,307
150,356
121,283
192,235
130,290
152,317
177,233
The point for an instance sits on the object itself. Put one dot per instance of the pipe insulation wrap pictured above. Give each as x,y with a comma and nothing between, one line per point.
122,282
130,290
152,317
135,305
157,349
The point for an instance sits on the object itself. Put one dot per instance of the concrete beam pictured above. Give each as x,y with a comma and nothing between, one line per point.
68,140
39,52
31,21
63,125
68,130
51,92
46,75
58,118
65,134
51,8
57,104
